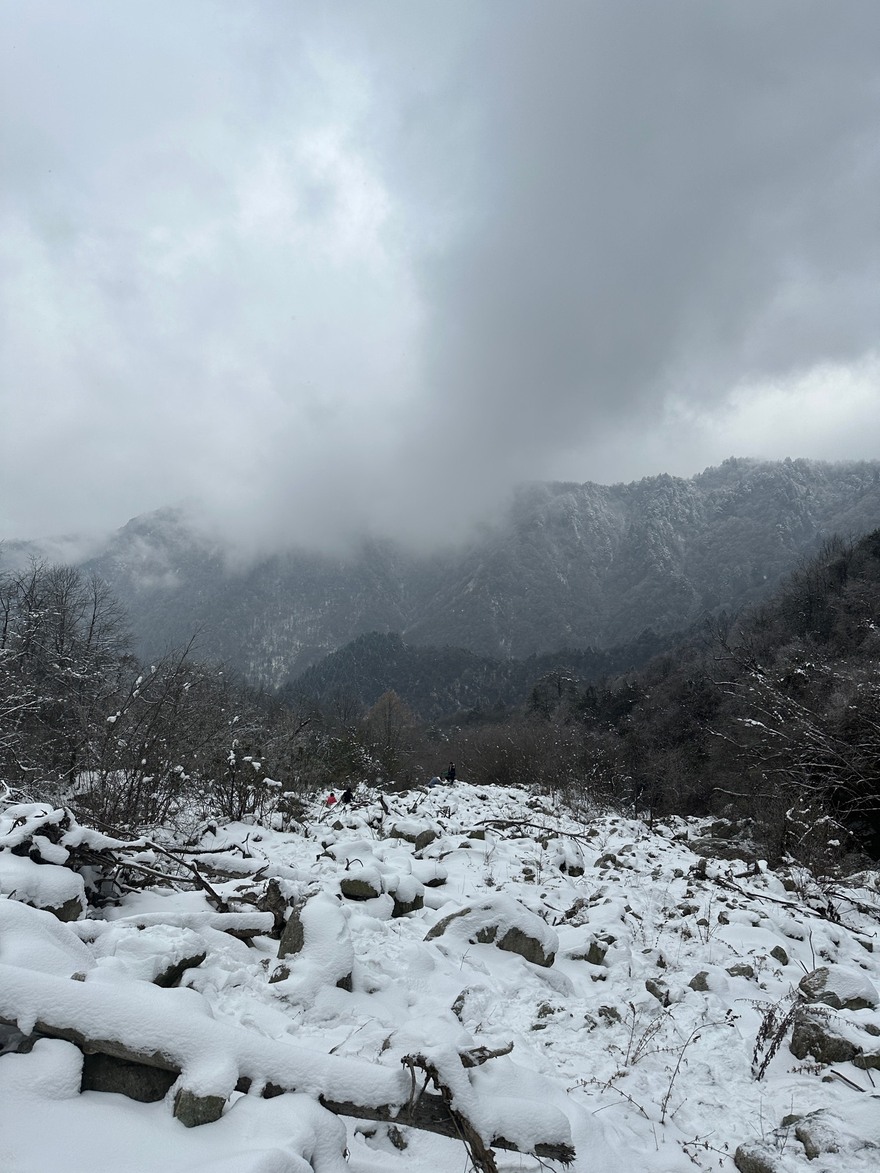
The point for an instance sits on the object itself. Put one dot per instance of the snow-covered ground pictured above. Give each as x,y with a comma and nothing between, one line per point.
630,1033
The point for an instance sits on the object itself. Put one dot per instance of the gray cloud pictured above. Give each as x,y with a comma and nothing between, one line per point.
679,194
362,267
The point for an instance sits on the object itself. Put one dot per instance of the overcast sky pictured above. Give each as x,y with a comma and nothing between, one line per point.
340,267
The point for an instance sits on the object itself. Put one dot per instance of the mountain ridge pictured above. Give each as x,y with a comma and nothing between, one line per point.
568,566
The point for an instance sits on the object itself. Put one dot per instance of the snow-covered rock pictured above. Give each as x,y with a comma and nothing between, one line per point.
416,831
362,883
34,940
502,922
43,885
581,1050
838,987
318,943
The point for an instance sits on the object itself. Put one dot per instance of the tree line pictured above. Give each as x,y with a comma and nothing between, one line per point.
772,715
135,744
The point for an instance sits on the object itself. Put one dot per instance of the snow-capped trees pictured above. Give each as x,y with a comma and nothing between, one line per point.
184,732
806,733
128,741
63,642
786,722
774,714
161,723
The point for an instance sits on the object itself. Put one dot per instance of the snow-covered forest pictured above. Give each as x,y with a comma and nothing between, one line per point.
565,565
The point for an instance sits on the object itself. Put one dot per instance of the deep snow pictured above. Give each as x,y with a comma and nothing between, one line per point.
661,1082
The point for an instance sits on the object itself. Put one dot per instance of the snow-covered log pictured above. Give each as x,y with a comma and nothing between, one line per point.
172,1029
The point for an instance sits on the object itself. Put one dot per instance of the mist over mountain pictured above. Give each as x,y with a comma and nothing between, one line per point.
570,566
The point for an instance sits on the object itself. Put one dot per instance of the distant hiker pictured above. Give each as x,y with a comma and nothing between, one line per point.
347,795
331,799
435,781
450,773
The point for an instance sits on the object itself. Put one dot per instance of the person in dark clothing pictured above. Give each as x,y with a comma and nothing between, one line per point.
450,773
347,795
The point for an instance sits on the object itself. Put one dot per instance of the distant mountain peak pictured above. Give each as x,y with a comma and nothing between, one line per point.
570,565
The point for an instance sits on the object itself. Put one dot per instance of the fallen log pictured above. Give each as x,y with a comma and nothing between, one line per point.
173,1029
139,1029
431,1113
242,925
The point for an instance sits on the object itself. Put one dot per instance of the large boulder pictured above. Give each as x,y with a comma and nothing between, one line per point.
152,953
838,987
830,1038
33,939
758,1157
273,900
408,894
362,883
430,872
594,949
816,1035
566,854
418,832
504,923
817,1135
137,1081
854,1135
193,1108
293,935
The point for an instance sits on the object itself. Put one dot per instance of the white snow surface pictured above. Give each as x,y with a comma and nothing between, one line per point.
44,886
661,1084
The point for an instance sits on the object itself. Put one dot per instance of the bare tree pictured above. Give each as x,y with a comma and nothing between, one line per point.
62,636
389,732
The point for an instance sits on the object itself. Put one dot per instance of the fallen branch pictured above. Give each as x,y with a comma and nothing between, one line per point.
431,1113
241,925
457,1125
479,1055
215,898
480,1154
504,824
797,906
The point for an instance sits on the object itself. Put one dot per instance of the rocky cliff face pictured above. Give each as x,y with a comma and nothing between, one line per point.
570,565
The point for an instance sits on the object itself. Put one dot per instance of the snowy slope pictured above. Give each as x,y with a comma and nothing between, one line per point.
632,1035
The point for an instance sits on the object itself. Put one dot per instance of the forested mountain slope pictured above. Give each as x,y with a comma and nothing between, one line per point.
440,682
569,566
773,714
